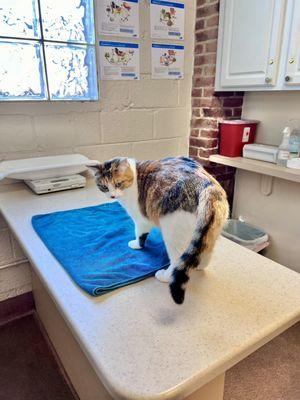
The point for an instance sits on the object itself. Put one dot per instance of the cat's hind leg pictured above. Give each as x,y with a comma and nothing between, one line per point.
177,230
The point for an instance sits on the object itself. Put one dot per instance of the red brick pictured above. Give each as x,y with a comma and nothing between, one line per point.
197,71
196,112
195,132
200,23
237,112
211,47
199,48
196,92
209,70
208,92
205,59
207,152
213,134
203,143
206,34
198,60
193,151
228,112
213,21
206,11
196,102
233,102
207,102
213,112
204,123
204,82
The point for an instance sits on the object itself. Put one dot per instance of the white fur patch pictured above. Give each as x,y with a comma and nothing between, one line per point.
177,229
134,244
164,275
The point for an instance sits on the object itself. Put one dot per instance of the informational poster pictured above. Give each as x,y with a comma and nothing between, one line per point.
119,18
167,20
119,61
167,61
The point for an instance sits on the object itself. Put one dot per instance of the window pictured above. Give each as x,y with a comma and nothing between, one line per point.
47,50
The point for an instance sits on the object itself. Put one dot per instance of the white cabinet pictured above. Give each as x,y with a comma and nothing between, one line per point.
292,60
258,45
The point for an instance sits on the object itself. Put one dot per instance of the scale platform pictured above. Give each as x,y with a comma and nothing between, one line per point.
49,185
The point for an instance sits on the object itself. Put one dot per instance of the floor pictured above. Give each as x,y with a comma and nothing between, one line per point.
29,371
271,373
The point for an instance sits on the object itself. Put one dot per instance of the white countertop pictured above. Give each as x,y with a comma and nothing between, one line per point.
141,344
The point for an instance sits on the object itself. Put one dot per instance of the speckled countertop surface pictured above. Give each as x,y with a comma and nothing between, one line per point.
142,345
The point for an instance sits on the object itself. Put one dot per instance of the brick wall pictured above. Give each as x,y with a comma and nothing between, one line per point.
210,107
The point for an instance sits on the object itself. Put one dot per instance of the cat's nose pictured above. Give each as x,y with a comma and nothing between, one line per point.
112,197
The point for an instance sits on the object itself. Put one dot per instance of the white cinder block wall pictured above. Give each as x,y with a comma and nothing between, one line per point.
143,119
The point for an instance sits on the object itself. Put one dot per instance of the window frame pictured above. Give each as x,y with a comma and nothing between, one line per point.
42,42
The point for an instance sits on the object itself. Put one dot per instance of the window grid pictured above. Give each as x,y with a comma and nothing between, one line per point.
43,42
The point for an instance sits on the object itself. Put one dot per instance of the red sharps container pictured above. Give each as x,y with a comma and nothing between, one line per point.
234,134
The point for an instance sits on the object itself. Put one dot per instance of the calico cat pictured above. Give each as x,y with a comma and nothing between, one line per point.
177,195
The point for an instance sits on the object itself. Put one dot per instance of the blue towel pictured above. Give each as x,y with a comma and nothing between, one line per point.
91,244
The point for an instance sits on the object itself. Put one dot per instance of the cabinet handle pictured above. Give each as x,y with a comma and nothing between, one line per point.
287,78
268,80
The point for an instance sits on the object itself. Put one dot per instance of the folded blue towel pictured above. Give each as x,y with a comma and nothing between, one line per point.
91,244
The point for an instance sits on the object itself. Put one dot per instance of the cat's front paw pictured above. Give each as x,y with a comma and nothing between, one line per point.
163,275
134,244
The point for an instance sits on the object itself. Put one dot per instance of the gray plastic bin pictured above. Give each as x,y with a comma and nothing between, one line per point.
245,234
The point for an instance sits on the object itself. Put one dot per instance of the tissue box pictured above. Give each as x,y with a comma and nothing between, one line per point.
261,152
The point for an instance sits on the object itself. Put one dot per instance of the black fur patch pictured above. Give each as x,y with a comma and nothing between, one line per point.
142,239
180,277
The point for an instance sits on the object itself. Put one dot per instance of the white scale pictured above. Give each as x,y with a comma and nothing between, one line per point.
49,185
49,174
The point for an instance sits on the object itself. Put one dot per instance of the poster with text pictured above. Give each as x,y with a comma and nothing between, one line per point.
167,61
119,18
167,20
119,61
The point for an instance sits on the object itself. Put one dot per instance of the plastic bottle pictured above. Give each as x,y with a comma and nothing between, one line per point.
294,143
284,148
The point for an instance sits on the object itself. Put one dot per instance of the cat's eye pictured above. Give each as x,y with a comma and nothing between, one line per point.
118,184
103,188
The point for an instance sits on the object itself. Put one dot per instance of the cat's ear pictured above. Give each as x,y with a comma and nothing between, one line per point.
95,166
123,165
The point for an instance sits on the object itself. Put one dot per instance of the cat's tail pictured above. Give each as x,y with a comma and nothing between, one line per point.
212,213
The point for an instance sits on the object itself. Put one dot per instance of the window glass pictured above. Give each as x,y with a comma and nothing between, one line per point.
19,18
71,71
68,20
21,71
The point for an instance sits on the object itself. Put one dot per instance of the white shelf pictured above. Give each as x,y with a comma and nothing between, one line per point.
260,167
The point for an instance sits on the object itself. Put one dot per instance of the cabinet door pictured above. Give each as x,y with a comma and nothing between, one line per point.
249,46
292,66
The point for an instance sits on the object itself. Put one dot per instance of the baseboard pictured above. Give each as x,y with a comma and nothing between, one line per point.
16,307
